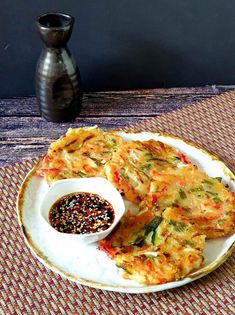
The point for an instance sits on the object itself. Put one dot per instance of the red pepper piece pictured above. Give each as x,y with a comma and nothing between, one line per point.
116,177
106,246
154,199
183,158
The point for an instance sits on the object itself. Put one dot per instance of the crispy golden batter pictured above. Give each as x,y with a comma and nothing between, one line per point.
135,164
125,172
196,199
178,205
161,177
163,250
82,152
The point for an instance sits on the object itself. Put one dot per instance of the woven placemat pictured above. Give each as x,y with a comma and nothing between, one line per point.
27,287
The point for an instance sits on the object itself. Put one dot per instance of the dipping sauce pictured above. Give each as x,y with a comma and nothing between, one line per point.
81,213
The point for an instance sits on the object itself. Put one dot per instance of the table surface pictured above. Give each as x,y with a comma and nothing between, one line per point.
28,286
24,134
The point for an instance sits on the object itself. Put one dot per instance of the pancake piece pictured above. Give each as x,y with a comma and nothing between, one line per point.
136,163
196,198
178,205
169,250
127,176
82,152
162,158
130,230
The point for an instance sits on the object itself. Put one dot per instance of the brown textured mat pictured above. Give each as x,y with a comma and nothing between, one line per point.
27,287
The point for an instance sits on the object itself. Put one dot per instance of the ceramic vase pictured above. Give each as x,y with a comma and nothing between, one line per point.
58,84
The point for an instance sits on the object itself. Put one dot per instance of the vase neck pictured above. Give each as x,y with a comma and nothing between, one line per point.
55,29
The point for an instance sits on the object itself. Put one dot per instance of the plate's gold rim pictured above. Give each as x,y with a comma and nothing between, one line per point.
213,265
141,289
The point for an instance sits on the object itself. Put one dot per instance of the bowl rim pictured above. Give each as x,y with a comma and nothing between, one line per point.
118,211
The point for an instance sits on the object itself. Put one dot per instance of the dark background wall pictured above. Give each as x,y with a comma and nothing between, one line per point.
125,44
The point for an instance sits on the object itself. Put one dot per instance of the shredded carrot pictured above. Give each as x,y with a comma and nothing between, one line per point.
150,265
183,158
207,203
44,171
105,245
46,159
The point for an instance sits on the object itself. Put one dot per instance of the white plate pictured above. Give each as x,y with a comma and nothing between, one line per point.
85,264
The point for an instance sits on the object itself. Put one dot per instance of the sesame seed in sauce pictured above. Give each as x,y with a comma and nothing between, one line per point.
81,213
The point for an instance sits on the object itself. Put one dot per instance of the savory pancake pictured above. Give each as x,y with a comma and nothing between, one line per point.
162,158
134,164
125,173
196,198
178,205
82,152
149,173
130,230
169,250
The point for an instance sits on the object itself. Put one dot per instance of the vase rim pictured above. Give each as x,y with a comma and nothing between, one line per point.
48,20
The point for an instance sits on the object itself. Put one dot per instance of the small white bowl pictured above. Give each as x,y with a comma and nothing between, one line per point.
95,185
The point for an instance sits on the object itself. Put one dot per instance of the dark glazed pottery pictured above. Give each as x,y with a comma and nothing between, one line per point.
58,85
